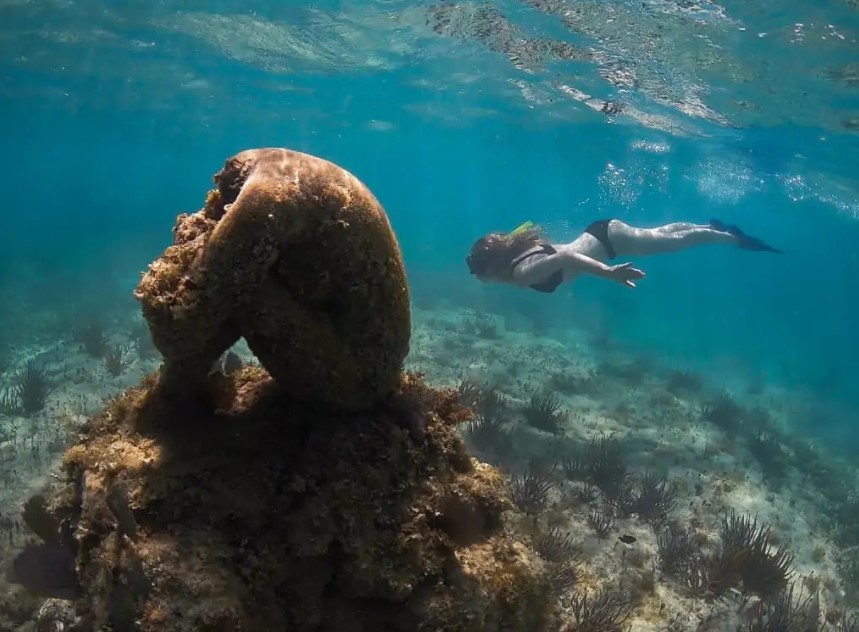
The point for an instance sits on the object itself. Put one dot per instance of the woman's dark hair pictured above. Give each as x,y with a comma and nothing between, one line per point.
493,254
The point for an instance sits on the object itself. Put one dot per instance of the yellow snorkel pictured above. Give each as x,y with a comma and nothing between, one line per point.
521,229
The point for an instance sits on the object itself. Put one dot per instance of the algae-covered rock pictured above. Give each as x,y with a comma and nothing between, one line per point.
264,515
297,256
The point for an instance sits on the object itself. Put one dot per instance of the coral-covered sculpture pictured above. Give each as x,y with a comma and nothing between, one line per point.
297,500
297,256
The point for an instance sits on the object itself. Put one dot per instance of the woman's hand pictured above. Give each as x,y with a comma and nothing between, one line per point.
625,273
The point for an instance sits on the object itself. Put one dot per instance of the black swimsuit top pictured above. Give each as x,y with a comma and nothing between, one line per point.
553,281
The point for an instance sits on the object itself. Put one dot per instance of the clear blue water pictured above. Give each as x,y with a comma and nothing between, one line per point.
465,118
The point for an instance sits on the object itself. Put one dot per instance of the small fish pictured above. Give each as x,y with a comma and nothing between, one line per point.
627,539
46,570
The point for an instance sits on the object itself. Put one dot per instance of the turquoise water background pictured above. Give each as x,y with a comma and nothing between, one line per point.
463,120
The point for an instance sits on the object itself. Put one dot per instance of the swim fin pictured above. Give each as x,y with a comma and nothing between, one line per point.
747,242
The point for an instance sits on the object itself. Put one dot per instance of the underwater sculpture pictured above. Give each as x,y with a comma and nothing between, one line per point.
290,497
297,256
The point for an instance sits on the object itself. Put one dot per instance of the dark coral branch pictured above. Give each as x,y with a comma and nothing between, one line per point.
745,556
115,361
601,522
543,411
91,338
684,381
723,411
653,499
32,388
530,491
555,546
607,611
600,463
563,576
489,433
786,612
676,548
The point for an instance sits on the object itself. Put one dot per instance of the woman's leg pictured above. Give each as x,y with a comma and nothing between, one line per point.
678,226
629,241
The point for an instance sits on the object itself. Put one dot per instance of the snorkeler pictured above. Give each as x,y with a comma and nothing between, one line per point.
524,258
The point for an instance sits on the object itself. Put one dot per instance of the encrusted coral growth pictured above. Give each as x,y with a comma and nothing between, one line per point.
262,516
297,256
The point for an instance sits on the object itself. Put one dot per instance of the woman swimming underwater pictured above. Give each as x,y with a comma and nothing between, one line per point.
524,258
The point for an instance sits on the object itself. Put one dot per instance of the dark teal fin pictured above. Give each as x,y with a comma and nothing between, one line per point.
746,242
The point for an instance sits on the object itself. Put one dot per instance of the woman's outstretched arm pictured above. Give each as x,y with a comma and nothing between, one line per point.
537,269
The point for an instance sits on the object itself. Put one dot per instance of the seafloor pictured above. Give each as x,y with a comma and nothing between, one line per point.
640,481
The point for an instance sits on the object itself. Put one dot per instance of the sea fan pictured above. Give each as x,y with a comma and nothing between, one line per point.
606,612
530,491
601,522
676,549
606,467
745,555
543,411
555,546
32,388
782,612
489,433
653,499
563,576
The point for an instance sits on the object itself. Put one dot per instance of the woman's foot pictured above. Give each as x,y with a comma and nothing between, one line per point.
744,241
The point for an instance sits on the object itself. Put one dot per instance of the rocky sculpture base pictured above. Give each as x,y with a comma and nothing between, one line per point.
268,514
